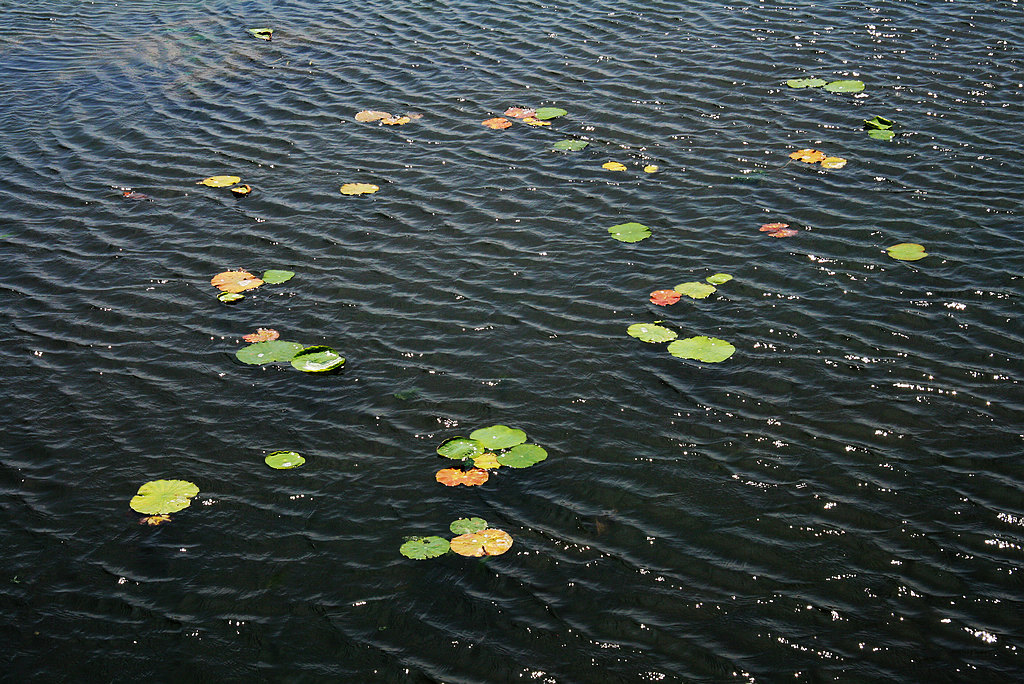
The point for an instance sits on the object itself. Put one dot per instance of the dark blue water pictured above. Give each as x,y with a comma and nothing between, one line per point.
841,500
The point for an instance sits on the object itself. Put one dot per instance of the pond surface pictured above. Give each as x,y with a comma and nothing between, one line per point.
840,500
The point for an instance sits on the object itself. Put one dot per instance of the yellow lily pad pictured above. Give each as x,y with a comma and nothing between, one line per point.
358,189
219,181
613,166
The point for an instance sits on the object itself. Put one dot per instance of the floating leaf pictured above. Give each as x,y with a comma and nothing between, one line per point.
275,277
395,120
650,332
467,525
806,82
879,122
371,115
235,281
778,230
664,297
630,232
318,359
808,156
274,351
613,166
264,33
497,123
534,121
695,290
881,134
523,456
284,460
833,162
358,189
421,548
520,113
154,520
545,113
242,190
160,497
570,145
708,349
219,181
844,86
132,195
907,251
262,335
783,233
460,448
498,436
651,168
487,461
451,477
229,297
718,278
489,542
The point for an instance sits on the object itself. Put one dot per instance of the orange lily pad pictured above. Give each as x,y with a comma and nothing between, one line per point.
772,227
497,123
664,297
520,113
808,156
451,477
262,335
489,542
371,115
785,232
235,281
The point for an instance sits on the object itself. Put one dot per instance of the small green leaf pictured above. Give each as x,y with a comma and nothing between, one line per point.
570,145
274,351
420,548
467,525
284,460
719,278
264,33
545,113
498,437
459,448
649,332
522,456
695,290
275,277
707,349
878,122
229,297
881,133
844,86
907,251
630,232
806,82
318,359
159,497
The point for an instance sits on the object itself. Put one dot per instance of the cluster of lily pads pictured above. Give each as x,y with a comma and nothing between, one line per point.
693,289
699,348
240,189
233,283
474,539
534,117
484,450
814,156
880,128
314,359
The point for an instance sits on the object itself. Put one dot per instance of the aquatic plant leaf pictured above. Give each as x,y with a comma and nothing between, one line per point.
262,335
467,525
650,332
695,290
570,145
451,477
318,359
154,520
523,456
783,233
907,251
878,122
235,281
460,448
772,227
718,278
844,86
486,461
806,82
881,134
498,436
264,33
160,497
284,460
833,162
614,166
276,277
651,168
630,232
359,189
545,113
242,190
489,542
421,548
497,123
520,113
274,351
229,297
808,156
219,181
664,297
534,121
371,115
396,120
707,349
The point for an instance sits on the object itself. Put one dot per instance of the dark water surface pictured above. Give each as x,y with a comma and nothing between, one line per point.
842,500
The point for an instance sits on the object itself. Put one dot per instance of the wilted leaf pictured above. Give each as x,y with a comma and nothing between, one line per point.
806,82
695,290
650,332
497,123
262,335
833,162
273,351
520,113
630,232
242,190
651,168
318,359
219,181
371,115
467,525
487,461
395,120
358,189
772,227
276,277
154,520
783,233
264,33
534,121
664,297
808,156
235,281
844,86
421,548
907,251
522,456
489,542
718,278
160,497
498,436
544,113
459,448
570,145
451,477
284,460
613,166
707,349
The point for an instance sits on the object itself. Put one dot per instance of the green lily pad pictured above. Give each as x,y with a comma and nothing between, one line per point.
498,436
318,359
806,82
630,232
160,497
881,134
229,297
545,113
264,33
284,460
274,351
459,448
467,525
719,278
570,145
907,251
707,349
421,548
695,290
275,277
844,86
878,122
650,332
522,456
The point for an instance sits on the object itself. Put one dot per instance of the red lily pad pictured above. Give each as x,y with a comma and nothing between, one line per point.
664,297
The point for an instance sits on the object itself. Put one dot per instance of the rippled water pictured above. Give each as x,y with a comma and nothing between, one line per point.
841,500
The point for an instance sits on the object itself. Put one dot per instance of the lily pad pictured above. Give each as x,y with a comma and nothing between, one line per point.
318,359
219,181
520,113
523,456
284,460
707,349
242,190
421,548
235,281
262,335
534,121
833,162
498,436
545,113
368,115
614,166
695,290
274,351
489,542
275,277
264,33
497,123
396,120
160,497
467,525
719,278
651,168
570,145
808,156
878,122
664,297
459,448
630,232
907,251
487,461
359,189
844,86
881,134
229,297
806,82
650,332
451,477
